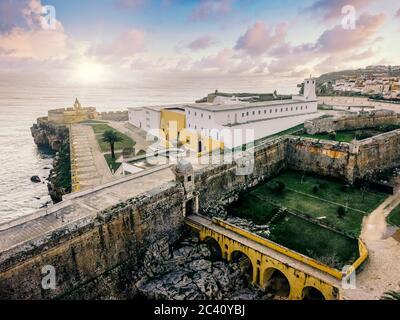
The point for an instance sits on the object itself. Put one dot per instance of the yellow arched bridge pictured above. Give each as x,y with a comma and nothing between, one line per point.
284,271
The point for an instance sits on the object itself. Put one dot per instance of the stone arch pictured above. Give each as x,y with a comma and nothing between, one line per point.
311,293
245,263
276,282
215,248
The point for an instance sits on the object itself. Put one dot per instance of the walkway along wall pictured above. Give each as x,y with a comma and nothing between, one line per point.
94,257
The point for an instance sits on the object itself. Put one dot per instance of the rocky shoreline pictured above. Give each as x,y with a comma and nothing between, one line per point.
56,138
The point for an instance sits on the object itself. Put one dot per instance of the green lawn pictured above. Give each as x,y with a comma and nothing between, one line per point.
111,162
299,196
349,135
262,204
100,128
394,217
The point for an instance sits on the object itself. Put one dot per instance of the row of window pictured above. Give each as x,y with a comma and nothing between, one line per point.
271,110
201,115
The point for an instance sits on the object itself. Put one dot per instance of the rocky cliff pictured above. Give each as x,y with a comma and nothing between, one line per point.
55,137
46,134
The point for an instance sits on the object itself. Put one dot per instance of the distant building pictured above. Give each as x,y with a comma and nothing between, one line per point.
72,115
203,127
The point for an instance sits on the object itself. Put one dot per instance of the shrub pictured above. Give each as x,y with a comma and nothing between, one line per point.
341,211
277,187
315,189
323,185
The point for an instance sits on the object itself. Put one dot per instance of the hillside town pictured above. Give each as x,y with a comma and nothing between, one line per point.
379,82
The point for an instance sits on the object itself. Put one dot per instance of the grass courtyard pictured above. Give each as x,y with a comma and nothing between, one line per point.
99,128
319,200
394,217
350,135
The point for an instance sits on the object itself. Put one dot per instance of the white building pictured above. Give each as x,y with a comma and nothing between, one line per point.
224,121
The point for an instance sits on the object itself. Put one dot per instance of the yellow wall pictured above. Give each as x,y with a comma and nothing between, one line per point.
172,122
263,266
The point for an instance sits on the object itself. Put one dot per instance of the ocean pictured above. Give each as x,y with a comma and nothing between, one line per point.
23,100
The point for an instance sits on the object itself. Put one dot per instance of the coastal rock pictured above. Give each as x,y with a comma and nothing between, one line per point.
36,179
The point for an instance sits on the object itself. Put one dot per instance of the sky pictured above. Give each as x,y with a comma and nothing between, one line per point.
91,41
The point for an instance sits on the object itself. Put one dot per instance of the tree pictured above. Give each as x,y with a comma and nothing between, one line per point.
112,137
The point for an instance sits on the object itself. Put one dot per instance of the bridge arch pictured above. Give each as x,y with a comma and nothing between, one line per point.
312,293
276,282
245,263
215,248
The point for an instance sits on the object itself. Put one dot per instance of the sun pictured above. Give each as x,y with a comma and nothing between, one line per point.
89,72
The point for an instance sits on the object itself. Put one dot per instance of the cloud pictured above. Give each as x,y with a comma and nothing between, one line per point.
260,38
130,4
36,44
126,45
207,9
26,36
202,43
339,39
330,10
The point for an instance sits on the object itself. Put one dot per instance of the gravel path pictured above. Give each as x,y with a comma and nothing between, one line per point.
382,271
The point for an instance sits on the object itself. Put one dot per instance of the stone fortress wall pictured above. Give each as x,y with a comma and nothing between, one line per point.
114,116
94,258
97,257
352,122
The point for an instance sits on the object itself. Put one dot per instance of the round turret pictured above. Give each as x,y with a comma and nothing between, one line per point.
184,167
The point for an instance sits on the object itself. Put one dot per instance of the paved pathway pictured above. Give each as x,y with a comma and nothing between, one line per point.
80,205
382,271
92,169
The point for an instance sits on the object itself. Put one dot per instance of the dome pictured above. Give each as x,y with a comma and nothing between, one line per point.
183,166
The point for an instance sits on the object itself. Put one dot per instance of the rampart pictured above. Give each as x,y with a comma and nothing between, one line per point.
114,116
352,122
94,257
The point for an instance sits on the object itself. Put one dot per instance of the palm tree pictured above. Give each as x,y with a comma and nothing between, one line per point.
111,137
391,295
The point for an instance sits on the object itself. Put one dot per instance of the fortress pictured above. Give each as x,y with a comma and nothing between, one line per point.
104,232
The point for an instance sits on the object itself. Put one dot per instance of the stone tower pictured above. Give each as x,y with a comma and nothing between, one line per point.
184,174
309,89
77,104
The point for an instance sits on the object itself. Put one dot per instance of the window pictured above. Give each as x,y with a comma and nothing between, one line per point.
189,112
259,111
247,113
270,110
202,115
281,109
297,108
254,113
276,110
195,114
242,114
291,109
265,111
189,178
189,125
287,109
301,108
209,117
195,127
